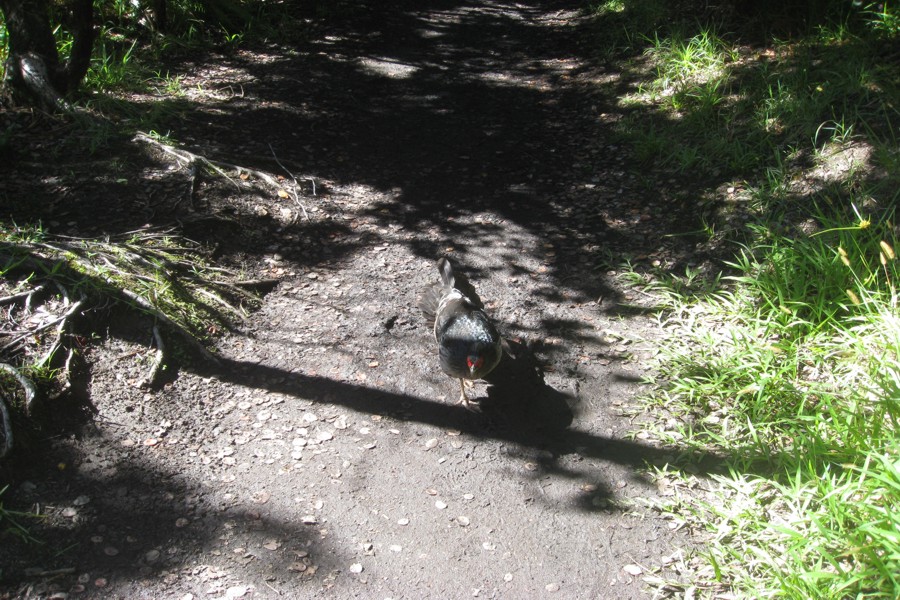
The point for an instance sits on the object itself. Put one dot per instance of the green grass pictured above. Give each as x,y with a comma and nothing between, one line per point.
788,364
707,104
11,522
794,376
129,53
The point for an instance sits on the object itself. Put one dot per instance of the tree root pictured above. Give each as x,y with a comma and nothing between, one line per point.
33,70
191,160
159,359
190,339
61,321
27,295
151,272
6,444
6,434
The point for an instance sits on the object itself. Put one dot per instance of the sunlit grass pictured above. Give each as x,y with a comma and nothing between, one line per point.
794,375
788,366
705,104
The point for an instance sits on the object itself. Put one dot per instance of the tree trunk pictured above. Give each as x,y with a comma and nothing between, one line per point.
83,44
33,68
159,18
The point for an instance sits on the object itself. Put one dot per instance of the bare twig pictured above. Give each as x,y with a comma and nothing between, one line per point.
294,180
72,310
6,443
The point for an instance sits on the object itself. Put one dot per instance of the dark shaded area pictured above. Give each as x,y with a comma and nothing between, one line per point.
130,523
520,408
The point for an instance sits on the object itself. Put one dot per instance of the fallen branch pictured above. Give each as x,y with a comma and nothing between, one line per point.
293,191
38,572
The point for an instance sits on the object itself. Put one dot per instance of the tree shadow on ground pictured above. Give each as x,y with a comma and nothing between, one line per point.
450,113
520,409
120,520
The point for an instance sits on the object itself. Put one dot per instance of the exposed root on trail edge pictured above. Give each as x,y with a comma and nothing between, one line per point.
6,443
156,273
283,187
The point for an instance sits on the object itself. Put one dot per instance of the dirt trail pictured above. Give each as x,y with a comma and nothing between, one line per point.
326,451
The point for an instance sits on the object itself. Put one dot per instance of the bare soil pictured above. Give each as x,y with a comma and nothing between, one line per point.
326,451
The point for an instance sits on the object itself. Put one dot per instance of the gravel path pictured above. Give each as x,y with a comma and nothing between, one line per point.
326,451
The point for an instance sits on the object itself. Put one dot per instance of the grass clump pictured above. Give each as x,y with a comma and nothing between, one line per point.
709,102
794,377
11,522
